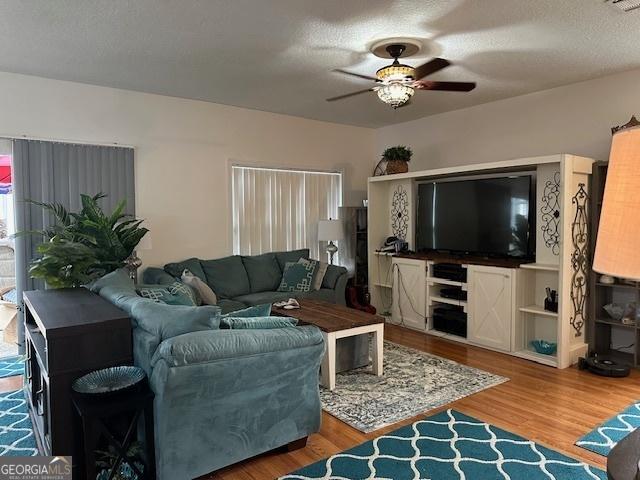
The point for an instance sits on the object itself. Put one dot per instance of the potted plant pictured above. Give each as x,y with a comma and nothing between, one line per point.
80,247
397,159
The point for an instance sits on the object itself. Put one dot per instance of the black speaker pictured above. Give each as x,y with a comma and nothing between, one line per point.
450,319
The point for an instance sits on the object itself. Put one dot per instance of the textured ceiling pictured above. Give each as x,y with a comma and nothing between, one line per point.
277,55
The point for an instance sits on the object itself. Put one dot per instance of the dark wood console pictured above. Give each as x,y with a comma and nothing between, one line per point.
68,333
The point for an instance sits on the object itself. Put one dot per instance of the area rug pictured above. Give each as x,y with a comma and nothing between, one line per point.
16,431
11,366
606,436
413,382
449,446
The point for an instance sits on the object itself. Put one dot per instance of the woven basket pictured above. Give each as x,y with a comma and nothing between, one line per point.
397,166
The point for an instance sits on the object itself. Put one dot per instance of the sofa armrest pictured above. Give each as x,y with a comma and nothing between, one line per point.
213,345
156,276
340,289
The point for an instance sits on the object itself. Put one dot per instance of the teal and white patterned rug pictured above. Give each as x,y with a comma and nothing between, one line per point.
607,435
449,446
11,366
16,431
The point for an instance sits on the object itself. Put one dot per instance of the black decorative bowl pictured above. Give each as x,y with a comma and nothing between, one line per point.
109,380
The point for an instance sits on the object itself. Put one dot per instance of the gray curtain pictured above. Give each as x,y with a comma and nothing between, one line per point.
60,172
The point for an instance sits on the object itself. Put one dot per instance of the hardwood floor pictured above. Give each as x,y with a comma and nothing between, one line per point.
550,406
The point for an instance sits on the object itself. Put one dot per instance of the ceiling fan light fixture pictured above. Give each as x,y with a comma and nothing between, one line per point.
395,72
395,94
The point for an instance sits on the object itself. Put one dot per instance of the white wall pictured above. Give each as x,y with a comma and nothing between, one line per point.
571,119
183,151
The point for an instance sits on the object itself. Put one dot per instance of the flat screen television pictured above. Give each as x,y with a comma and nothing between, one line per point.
484,216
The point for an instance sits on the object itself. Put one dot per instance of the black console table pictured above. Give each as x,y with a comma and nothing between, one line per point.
68,333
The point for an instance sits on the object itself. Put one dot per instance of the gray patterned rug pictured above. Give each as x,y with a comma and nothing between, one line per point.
413,382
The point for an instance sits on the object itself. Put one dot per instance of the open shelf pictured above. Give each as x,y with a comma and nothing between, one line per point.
449,301
444,281
547,267
384,254
615,323
538,310
550,360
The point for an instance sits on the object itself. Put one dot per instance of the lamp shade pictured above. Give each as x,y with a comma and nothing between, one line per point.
330,230
618,244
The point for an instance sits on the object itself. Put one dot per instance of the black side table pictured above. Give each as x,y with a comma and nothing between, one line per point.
95,412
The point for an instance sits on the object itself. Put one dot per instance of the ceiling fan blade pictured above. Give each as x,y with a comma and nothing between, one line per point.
430,67
364,77
347,95
445,86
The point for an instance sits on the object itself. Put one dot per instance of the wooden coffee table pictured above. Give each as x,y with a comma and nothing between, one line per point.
338,321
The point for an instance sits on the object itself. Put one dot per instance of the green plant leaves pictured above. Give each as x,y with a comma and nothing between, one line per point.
398,153
82,246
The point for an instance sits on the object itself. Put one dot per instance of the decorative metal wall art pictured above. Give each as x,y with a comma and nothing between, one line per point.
400,213
550,214
579,259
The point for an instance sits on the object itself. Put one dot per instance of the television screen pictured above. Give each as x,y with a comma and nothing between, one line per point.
489,216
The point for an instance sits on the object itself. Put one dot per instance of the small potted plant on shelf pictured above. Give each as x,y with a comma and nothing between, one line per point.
397,159
81,247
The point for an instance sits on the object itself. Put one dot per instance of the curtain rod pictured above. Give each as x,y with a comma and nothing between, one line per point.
58,140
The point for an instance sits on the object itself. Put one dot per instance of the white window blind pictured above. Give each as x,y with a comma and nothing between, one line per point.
277,209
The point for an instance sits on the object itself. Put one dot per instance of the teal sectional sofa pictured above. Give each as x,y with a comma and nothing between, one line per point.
241,281
221,396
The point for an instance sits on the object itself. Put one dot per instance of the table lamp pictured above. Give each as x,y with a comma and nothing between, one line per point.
618,243
328,231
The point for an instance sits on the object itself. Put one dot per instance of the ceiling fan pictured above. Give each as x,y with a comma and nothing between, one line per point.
396,83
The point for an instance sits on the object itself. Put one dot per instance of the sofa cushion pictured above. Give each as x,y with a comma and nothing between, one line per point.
297,277
227,276
200,347
320,270
156,276
263,271
263,310
192,264
292,256
264,297
331,276
167,321
324,294
227,305
249,323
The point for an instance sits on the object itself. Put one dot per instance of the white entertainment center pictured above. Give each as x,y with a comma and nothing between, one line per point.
504,305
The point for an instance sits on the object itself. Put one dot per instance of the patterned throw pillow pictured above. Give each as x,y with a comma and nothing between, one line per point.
245,323
174,294
320,269
297,277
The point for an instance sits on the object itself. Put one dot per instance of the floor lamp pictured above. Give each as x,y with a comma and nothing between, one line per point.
328,231
618,244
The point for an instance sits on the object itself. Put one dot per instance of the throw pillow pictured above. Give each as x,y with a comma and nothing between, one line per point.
174,294
207,296
119,278
245,323
320,270
297,277
263,310
166,321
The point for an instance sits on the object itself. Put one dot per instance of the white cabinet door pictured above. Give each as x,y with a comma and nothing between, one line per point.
490,306
409,293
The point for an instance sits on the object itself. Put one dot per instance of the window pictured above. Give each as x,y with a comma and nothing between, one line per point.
276,209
